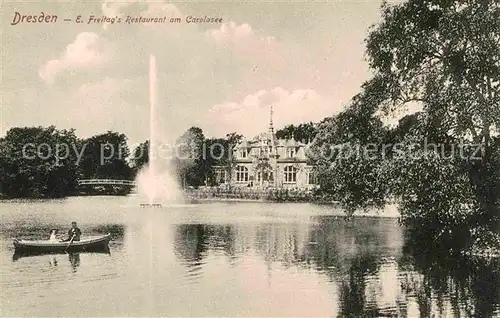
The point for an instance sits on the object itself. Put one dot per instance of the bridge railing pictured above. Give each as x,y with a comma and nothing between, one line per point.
106,182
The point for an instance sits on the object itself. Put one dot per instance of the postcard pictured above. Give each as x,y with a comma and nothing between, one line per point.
258,158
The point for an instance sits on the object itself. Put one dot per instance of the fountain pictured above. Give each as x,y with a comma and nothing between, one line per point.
155,182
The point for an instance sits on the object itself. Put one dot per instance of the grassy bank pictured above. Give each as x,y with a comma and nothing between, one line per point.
252,194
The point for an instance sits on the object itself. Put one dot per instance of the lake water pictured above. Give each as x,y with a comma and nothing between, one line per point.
231,259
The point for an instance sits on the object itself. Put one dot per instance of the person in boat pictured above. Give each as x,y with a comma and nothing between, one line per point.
53,237
73,233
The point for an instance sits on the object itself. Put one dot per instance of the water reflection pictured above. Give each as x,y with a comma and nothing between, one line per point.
440,284
238,260
191,242
74,259
53,260
364,260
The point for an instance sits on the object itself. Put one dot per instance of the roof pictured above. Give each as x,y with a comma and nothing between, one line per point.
265,136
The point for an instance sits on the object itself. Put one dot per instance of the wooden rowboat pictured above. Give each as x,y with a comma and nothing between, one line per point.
88,244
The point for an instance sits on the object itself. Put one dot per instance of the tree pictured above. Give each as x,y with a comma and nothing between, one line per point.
38,162
140,156
346,171
232,139
444,55
105,157
189,157
214,152
197,156
304,132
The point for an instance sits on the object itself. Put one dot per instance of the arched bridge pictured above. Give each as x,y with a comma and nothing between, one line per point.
106,182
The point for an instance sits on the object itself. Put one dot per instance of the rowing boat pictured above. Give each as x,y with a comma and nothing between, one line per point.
91,243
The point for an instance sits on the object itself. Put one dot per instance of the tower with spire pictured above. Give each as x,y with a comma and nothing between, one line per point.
273,155
271,127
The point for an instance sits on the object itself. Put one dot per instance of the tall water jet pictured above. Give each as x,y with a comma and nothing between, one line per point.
156,182
152,103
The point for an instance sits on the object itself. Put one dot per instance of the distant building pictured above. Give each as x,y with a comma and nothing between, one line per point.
266,161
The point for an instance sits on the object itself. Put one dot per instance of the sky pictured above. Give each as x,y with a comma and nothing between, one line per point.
307,59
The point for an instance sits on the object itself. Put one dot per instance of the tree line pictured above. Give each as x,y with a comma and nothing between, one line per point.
46,162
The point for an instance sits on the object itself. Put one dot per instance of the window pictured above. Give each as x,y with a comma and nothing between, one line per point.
263,151
241,174
220,176
264,176
290,152
311,178
244,153
290,174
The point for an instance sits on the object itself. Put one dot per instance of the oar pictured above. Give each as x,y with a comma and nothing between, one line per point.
71,241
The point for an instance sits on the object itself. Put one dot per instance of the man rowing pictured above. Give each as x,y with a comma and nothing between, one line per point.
73,233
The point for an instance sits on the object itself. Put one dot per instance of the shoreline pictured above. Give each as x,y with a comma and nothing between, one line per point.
212,200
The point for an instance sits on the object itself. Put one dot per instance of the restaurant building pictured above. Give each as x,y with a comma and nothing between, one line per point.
266,161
